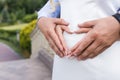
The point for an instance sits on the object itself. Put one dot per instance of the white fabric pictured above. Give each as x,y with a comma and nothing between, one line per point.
47,10
105,66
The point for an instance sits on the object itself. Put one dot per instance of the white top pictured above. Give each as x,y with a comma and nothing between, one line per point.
46,10
105,66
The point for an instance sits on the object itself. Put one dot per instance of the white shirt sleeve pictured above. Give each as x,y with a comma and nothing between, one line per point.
47,10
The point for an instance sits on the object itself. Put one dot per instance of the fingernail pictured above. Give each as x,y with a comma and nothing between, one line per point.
80,25
67,23
68,56
61,49
71,32
79,59
84,59
71,57
74,32
75,54
69,52
66,53
61,55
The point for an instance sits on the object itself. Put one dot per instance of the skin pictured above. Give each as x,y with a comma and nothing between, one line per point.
53,33
102,33
59,31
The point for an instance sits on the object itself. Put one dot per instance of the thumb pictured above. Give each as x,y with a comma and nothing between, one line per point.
59,21
88,24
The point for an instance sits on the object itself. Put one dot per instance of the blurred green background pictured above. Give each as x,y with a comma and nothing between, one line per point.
17,20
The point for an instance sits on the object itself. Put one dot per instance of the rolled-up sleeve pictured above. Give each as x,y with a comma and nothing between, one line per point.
47,10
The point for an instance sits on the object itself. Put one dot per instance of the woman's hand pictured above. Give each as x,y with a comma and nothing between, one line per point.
104,33
48,28
59,30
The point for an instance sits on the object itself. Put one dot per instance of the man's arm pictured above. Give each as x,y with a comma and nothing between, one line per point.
47,10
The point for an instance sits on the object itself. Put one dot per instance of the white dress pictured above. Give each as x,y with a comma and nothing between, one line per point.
105,66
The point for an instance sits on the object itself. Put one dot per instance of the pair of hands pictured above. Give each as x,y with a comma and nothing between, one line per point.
101,34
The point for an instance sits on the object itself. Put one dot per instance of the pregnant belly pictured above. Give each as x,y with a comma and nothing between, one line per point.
107,60
72,39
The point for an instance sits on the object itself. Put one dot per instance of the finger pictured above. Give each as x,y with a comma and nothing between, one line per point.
61,38
55,39
46,36
88,24
75,46
89,39
96,54
60,21
99,50
89,50
65,28
83,30
54,47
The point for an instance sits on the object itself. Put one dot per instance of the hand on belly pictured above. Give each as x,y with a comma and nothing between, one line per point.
68,38
104,33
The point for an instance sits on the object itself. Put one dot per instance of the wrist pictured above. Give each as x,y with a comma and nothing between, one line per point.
117,15
39,20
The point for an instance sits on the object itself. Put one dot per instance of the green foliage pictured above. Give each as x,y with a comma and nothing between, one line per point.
9,36
17,10
25,42
29,17
5,14
13,18
29,5
20,13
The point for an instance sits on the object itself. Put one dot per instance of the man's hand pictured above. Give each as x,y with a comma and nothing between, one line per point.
103,34
48,28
